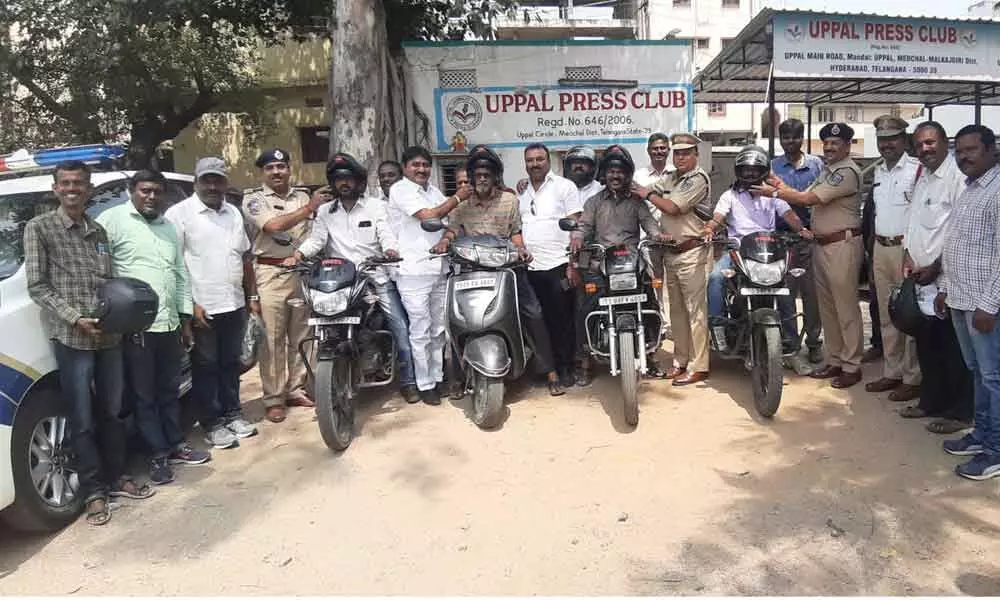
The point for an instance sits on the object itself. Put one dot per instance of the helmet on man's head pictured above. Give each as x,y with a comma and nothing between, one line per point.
752,166
616,156
483,156
580,153
343,164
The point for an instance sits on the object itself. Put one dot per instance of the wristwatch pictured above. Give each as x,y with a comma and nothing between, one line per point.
254,298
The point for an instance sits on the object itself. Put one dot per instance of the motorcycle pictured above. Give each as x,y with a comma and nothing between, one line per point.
355,348
627,326
483,321
750,329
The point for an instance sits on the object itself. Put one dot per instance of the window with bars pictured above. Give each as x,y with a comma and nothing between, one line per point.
457,78
315,142
852,114
730,3
583,73
701,43
825,114
447,168
716,109
896,110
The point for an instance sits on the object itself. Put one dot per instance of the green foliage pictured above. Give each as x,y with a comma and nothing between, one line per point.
441,20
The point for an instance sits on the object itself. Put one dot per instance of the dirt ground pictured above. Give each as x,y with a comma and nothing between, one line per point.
836,495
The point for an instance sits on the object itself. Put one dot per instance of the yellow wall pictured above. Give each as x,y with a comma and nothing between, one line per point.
289,74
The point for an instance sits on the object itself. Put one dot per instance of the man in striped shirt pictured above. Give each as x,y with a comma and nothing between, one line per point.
970,289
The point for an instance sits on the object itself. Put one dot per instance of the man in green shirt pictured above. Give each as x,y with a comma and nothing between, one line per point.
144,246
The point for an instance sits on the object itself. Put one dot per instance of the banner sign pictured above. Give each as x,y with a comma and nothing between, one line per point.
824,46
518,116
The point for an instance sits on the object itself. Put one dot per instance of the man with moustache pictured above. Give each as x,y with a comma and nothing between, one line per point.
946,389
280,218
836,224
144,246
658,149
580,167
970,289
389,172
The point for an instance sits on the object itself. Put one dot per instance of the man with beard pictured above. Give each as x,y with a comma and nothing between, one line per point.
836,224
580,167
144,246
493,211
614,216
658,149
280,217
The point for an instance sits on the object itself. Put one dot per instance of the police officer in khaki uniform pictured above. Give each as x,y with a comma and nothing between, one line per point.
279,217
684,198
836,223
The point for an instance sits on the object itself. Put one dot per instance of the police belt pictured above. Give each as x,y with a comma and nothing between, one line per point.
838,236
267,260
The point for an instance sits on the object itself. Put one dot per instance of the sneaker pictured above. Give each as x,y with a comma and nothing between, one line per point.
220,437
963,446
241,428
982,466
160,472
187,455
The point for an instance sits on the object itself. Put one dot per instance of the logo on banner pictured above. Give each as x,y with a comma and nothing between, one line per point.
794,32
968,38
464,113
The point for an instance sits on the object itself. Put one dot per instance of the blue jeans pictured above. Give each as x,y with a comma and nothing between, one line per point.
98,430
392,306
717,286
981,352
215,368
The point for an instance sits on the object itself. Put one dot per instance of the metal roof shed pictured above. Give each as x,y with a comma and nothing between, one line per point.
812,58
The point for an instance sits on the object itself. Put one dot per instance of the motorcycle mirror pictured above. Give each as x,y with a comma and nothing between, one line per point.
295,302
432,225
568,224
282,238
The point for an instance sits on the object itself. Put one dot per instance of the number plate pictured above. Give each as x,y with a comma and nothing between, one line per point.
334,320
615,300
764,291
470,284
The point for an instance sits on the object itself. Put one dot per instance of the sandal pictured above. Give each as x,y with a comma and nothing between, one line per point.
555,388
947,426
98,512
913,412
126,487
584,376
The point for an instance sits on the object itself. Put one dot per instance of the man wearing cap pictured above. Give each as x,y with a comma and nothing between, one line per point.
891,192
685,200
836,222
217,255
279,218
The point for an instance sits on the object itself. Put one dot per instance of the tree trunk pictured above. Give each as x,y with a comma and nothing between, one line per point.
358,89
142,146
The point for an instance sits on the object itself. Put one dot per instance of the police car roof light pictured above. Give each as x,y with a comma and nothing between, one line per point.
22,160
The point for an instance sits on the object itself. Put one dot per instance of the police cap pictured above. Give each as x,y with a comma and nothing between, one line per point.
889,126
837,130
684,141
273,155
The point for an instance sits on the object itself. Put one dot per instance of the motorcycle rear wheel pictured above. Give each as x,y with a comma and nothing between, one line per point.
629,376
767,374
487,401
335,393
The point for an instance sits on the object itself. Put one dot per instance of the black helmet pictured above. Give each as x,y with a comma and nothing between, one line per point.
752,166
126,305
343,164
580,153
616,156
482,156
904,309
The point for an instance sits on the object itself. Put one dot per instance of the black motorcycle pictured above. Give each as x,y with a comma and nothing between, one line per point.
750,329
355,348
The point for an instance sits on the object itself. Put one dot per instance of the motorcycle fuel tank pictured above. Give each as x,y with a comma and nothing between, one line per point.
332,274
763,247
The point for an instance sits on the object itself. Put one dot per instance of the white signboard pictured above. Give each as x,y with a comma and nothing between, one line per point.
517,116
824,46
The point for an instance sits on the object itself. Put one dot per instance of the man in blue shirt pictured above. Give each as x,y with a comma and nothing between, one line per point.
798,170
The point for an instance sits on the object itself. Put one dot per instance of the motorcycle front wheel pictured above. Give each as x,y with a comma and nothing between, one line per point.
335,392
487,401
629,376
767,374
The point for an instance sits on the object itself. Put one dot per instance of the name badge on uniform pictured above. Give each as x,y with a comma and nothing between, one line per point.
365,224
102,248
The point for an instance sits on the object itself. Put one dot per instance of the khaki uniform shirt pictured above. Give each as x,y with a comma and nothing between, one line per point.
839,190
685,191
499,216
263,204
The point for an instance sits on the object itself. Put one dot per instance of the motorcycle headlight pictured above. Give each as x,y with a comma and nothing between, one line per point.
765,274
492,257
622,282
466,252
330,303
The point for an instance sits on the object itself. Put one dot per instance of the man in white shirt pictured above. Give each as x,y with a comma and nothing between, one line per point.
389,172
658,149
894,179
946,385
356,228
223,285
420,278
548,198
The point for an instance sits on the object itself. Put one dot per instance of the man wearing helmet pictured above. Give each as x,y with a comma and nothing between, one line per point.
580,167
744,212
355,227
493,211
612,217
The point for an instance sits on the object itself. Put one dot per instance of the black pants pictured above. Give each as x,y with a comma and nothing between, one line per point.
98,430
558,308
153,364
804,287
946,386
533,323
215,368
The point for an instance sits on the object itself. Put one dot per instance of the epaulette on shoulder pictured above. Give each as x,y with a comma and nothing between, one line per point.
252,190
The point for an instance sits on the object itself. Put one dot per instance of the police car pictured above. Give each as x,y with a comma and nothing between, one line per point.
38,482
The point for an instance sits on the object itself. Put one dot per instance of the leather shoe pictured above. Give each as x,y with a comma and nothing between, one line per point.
300,399
816,355
883,385
846,380
675,372
826,372
690,378
904,393
871,355
275,414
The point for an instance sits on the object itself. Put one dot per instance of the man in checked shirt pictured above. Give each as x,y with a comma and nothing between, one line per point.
67,258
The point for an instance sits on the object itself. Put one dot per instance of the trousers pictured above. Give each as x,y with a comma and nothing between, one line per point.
282,370
423,298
